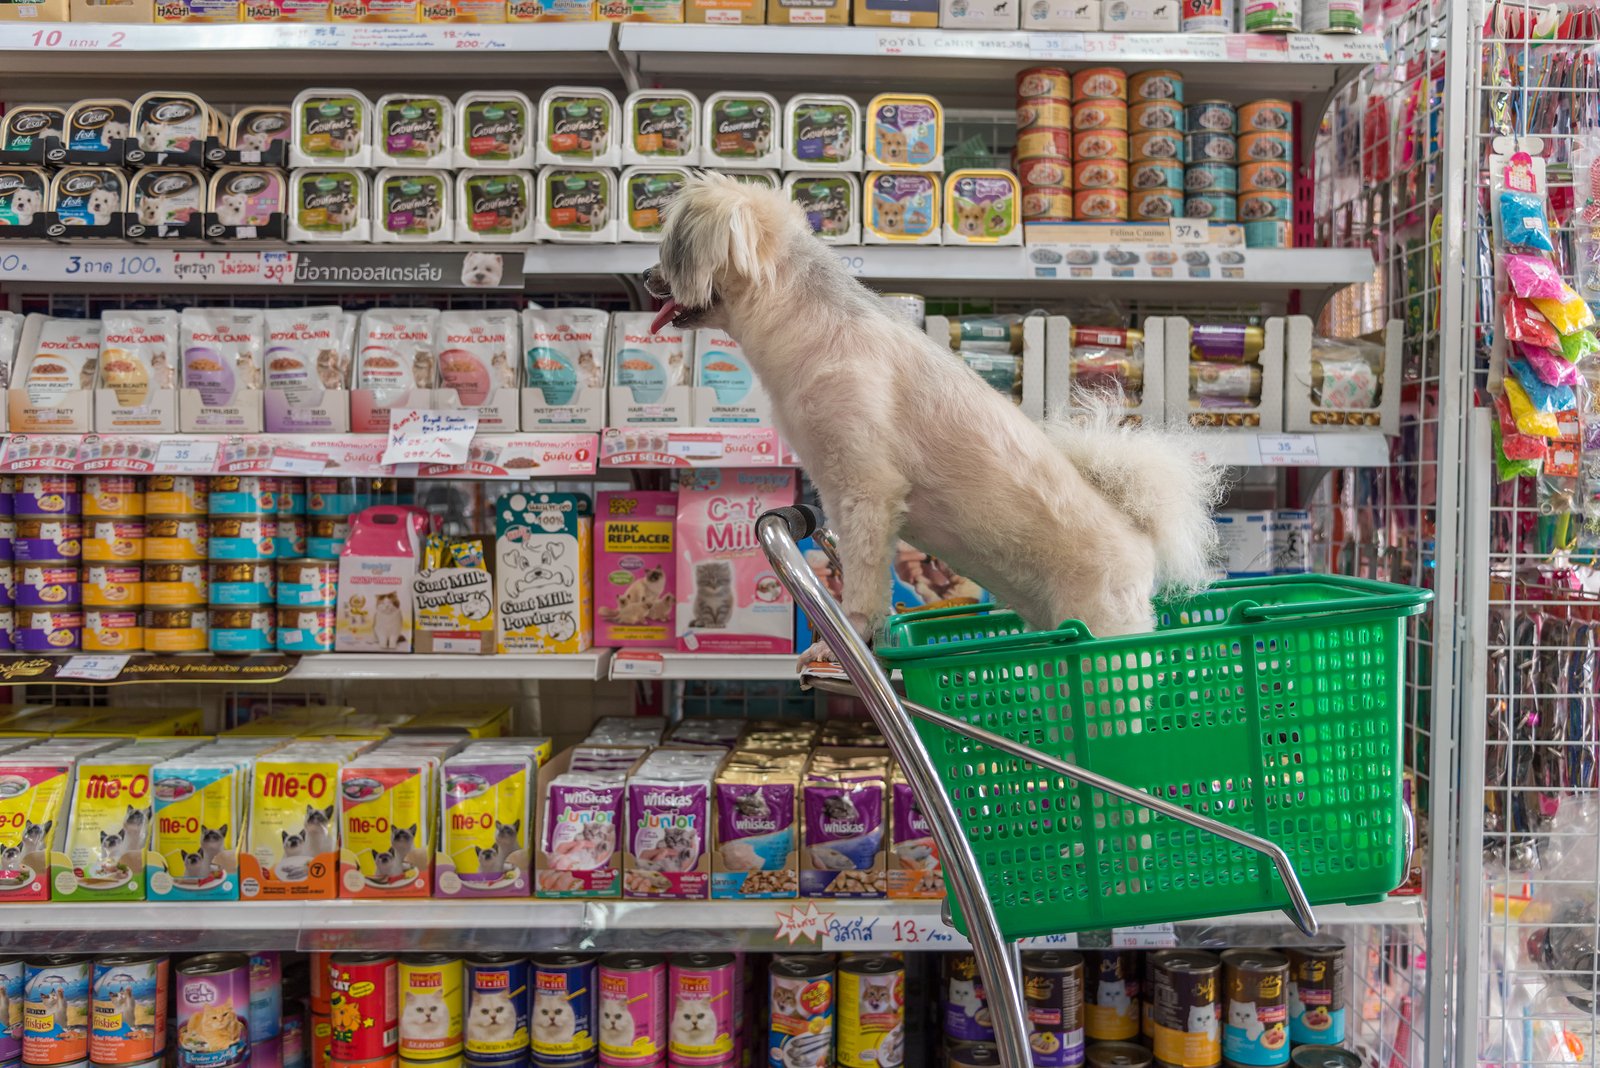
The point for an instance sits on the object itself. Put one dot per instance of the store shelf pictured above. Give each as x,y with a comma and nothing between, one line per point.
356,667
119,669
1354,448
653,663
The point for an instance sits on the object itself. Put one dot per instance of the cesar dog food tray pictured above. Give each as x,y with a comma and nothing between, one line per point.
544,601
487,814
34,807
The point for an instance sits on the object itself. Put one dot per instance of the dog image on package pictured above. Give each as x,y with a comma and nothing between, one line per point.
543,598
1073,518
729,599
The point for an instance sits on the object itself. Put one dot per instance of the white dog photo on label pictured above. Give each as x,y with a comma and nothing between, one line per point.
1075,518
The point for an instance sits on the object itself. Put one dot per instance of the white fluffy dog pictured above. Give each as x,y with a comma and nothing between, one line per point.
1067,520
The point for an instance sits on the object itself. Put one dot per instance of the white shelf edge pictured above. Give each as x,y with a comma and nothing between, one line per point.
1328,448
589,666
718,666
119,38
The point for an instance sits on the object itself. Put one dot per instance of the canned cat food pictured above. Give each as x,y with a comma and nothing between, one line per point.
180,629
290,543
112,630
319,991
365,1011
497,1008
12,979
1145,204
430,1006
242,630
326,535
1100,144
1271,16
55,1010
1213,207
243,494
972,1055
176,538
1045,173
1154,174
1051,82
43,539
113,496
966,1011
1266,176
632,1025
1042,113
1205,147
1100,204
1257,206
1165,145
1099,115
1269,233
46,586
1211,178
703,994
1046,204
176,495
1255,1030
561,1020
871,1013
213,1011
245,583
1156,115
1156,85
1052,983
41,630
1261,115
7,628
1212,116
1045,144
1100,83
172,584
1326,1057
330,496
308,583
243,537
1118,1055
1316,996
801,1001
266,995
113,540
1111,995
1183,1008
1100,174
292,1036
128,1011
1272,147
291,496
46,495
321,1040
8,537
306,630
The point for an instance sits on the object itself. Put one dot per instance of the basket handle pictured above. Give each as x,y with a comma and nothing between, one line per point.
1255,612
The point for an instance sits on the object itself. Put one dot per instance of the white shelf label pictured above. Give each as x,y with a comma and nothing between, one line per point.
883,932
1287,450
1190,232
1056,941
1145,936
187,456
424,436
93,668
287,461
637,663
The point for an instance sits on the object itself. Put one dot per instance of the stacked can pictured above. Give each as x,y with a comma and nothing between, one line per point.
1053,982
1100,148
113,563
1044,144
320,998
47,550
177,541
1156,122
1211,178
364,1009
266,1008
1208,16
330,502
1266,173
8,534
244,535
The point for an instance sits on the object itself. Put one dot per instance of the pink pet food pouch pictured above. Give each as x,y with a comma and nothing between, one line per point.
729,599
635,571
581,840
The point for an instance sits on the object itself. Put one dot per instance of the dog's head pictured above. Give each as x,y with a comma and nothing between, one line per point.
723,240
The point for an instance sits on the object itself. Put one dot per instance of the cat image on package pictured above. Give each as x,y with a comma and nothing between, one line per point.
729,599
385,812
543,598
484,827
293,828
197,830
635,569
108,833
33,813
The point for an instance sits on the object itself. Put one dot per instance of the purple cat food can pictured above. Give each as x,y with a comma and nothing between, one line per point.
632,1025
47,586
47,539
47,495
268,1053
47,630
8,535
213,1011
11,976
561,1019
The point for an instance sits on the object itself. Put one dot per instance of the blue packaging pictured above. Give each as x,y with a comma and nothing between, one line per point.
497,984
1255,1008
562,983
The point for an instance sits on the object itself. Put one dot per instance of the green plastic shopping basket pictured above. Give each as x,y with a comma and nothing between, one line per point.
1273,705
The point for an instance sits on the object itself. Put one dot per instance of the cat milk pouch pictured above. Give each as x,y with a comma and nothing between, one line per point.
651,374
307,369
480,355
582,821
843,800
669,825
913,856
292,835
635,568
485,821
33,809
394,366
53,376
756,798
543,597
198,802
220,353
138,372
729,600
376,570
727,392
108,830
386,821
564,368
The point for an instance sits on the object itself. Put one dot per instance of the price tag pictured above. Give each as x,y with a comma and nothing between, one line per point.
861,932
1146,936
1058,941
700,448
297,462
1287,450
93,668
637,663
426,436
187,456
1189,232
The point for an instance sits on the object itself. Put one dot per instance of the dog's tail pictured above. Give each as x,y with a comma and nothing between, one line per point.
1154,477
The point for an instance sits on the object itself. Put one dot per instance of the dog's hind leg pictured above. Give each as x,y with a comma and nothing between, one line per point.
867,524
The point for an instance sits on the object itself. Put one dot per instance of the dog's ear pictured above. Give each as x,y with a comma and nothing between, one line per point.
719,230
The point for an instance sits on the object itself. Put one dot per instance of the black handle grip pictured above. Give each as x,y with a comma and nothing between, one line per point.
801,519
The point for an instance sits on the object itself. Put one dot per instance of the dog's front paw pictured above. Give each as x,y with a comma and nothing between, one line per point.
819,651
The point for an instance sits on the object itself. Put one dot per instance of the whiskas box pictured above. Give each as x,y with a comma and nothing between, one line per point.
200,801
33,795
485,820
543,599
668,808
843,800
635,569
386,806
729,598
757,841
293,832
582,799
915,870
376,570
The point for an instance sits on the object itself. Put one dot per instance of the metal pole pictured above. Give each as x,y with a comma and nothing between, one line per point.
778,531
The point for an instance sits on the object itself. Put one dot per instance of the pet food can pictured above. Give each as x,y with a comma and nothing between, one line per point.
326,535
213,1011
802,1006
1207,147
1266,176
47,495
1046,203
306,630
1100,83
128,1013
1227,342
267,1053
46,586
1099,115
1256,1028
1045,172
178,629
1118,1055
1044,144
320,992
966,1011
55,1010
497,1008
1208,16
872,1012
242,583
1271,147
633,1009
330,496
1042,113
168,584
112,630
291,540
1212,116
365,1006
1100,144
1325,1057
8,537
1052,982
291,496
1266,116
1270,233
1211,178
113,496
1271,16
1156,115
973,1055
113,540
1146,204
1183,1008
1164,145
1100,204
1048,82
1100,174
7,630
1155,85
1316,996
47,539
292,1035
42,630
243,495
1213,207
561,1020
266,995
176,538
244,537
321,1040
703,992
430,1006
1110,995
12,977
1258,207
243,630
176,495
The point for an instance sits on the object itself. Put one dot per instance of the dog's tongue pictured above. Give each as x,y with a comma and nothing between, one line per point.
664,316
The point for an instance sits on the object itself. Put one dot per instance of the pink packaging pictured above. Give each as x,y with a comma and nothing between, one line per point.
376,568
633,1010
729,598
635,572
705,991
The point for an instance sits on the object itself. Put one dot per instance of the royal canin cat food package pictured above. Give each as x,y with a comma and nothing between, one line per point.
729,598
376,572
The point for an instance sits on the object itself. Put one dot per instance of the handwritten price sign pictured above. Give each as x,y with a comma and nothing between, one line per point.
424,436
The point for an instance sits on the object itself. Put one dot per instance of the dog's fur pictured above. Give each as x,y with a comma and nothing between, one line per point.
1078,518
